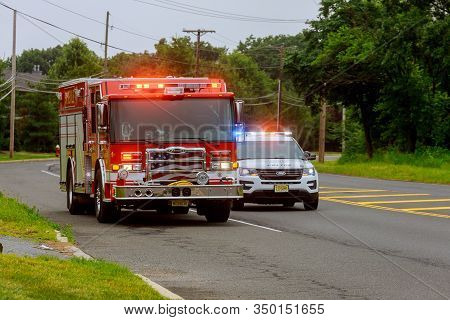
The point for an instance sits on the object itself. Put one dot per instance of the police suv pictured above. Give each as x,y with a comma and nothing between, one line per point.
274,169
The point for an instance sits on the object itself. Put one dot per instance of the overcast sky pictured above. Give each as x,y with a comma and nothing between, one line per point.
151,21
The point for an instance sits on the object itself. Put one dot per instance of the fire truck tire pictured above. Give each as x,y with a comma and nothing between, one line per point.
73,200
216,210
238,205
104,211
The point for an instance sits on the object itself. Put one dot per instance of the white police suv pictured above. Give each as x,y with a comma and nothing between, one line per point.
274,169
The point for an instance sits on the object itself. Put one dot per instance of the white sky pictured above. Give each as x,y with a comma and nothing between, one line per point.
148,20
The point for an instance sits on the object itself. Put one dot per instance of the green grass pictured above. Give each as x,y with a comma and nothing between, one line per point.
51,278
428,165
21,221
22,155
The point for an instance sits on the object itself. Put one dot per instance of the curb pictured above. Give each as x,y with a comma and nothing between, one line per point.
163,291
29,160
77,252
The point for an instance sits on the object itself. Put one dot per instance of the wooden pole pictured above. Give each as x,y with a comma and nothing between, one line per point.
13,91
322,129
105,62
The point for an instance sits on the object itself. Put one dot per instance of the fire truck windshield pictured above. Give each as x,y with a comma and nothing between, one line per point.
166,120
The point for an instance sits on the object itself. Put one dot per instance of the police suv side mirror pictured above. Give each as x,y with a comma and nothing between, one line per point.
310,156
239,110
102,117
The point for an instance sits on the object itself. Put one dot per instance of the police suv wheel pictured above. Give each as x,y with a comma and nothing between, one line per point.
238,205
311,205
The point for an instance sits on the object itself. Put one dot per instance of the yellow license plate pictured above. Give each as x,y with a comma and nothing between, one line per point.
281,188
180,203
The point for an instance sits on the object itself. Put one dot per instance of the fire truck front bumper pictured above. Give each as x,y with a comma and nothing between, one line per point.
192,192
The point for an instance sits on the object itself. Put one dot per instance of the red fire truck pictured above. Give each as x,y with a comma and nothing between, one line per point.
148,143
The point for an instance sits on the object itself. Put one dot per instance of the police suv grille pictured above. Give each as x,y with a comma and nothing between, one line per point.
280,174
175,164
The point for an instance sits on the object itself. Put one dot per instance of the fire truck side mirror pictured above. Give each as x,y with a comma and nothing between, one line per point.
102,117
239,109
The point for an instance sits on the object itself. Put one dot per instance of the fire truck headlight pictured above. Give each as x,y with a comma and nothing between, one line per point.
202,178
221,165
122,174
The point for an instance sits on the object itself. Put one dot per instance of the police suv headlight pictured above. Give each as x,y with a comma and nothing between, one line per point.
202,178
247,172
122,174
309,172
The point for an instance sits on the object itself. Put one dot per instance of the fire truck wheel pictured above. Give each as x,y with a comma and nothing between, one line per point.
217,210
104,211
73,201
238,205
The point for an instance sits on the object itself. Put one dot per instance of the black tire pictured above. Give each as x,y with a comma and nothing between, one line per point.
73,200
238,205
105,212
180,210
311,205
163,209
216,210
289,204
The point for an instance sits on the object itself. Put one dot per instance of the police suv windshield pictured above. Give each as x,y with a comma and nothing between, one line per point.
168,120
269,150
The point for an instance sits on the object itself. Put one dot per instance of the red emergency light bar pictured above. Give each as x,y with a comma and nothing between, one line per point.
189,87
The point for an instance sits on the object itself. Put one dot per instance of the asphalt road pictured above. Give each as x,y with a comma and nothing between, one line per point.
370,239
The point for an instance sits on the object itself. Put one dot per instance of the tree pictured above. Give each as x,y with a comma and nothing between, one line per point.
75,61
44,58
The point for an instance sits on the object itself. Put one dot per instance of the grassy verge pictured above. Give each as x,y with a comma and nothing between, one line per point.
18,220
429,167
22,155
50,278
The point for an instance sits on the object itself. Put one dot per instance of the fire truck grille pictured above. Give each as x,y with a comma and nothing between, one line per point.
174,164
280,174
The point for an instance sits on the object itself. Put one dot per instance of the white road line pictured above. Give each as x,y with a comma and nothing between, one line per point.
247,223
255,225
50,173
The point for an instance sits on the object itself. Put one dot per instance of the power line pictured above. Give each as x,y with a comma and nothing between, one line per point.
40,28
177,6
116,47
256,98
7,81
23,89
259,104
7,94
100,22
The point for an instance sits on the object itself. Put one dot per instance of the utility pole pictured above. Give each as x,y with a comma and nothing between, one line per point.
322,129
343,129
105,62
13,90
280,80
199,33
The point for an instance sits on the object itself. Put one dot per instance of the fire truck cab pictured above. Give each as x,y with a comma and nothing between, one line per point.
148,143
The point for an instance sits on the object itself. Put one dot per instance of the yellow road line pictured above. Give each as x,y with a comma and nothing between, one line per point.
431,208
358,204
405,201
351,191
377,196
337,188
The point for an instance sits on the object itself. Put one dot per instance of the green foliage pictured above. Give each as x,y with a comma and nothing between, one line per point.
46,278
75,61
21,221
386,60
43,57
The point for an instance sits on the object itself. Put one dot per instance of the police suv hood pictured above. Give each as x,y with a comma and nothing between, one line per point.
274,164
